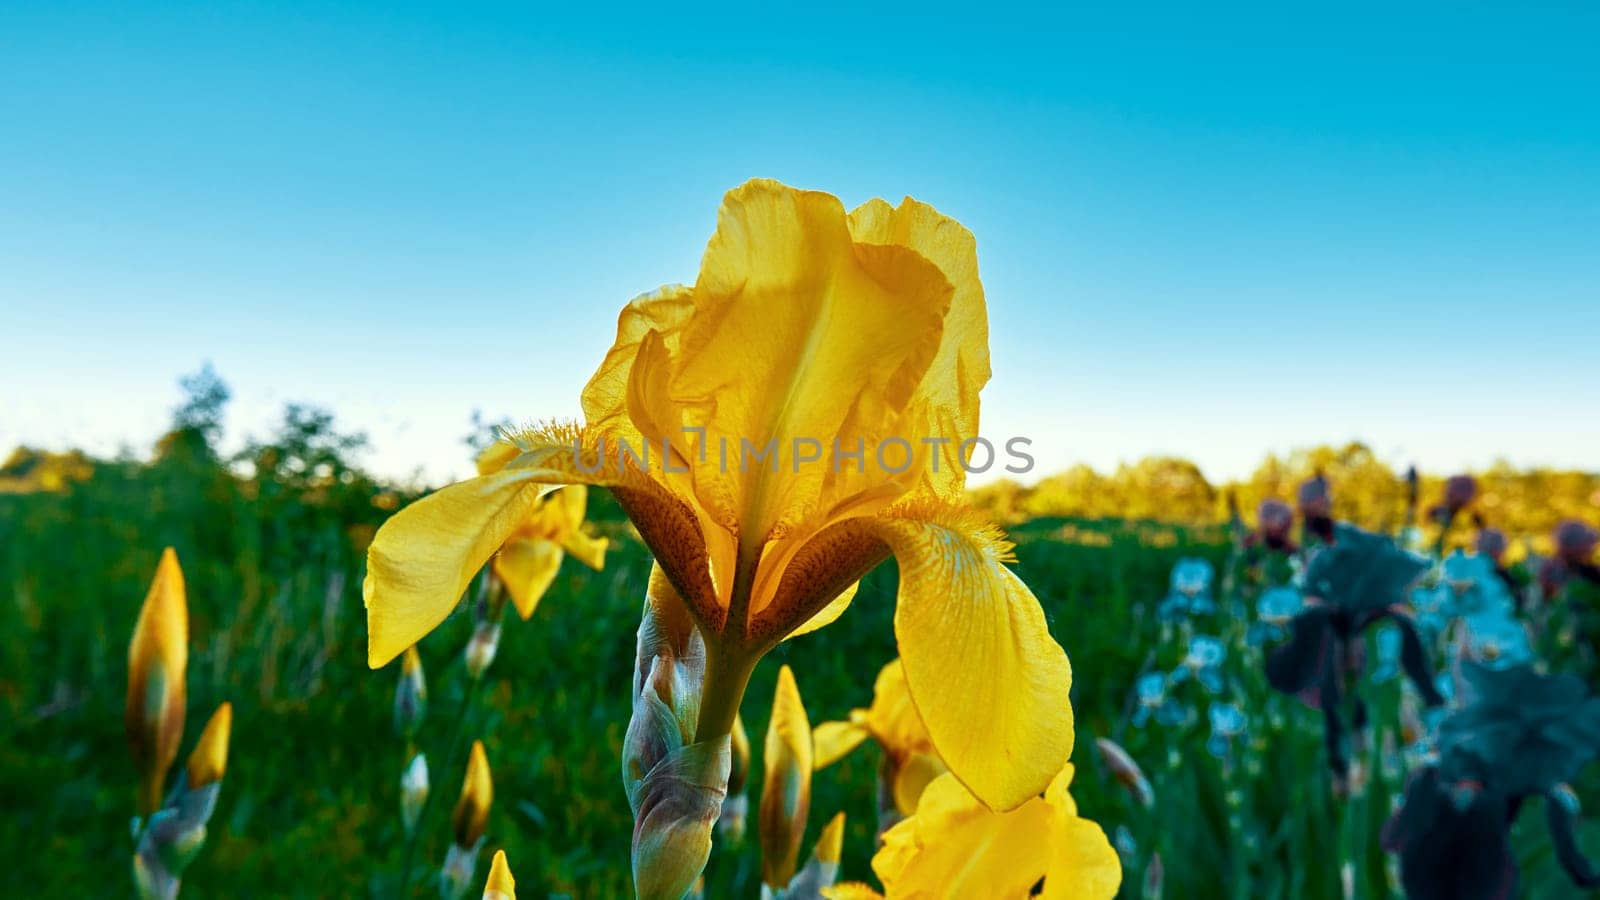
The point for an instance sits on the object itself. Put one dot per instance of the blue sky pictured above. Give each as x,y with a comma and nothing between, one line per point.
1209,234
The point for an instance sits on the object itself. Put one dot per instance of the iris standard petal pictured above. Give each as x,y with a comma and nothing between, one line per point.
605,397
798,334
948,395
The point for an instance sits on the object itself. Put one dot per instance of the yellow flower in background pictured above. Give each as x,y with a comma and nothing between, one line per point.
208,762
501,886
955,847
810,336
786,783
911,761
531,555
471,815
158,656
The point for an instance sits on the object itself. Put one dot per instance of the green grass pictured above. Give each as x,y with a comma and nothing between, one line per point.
310,803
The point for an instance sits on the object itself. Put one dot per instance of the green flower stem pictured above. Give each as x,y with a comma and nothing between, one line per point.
1444,534
458,732
727,675
729,659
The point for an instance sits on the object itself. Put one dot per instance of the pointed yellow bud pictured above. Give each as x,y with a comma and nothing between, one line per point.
830,843
822,868
786,785
208,762
740,772
501,885
471,815
157,658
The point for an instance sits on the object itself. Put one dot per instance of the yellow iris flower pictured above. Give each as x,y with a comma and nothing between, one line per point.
530,557
911,761
158,657
810,333
956,847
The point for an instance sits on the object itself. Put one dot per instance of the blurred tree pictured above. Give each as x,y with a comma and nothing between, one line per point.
28,470
197,421
1526,504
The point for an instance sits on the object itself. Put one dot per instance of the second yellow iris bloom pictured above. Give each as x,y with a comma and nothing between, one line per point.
910,760
955,847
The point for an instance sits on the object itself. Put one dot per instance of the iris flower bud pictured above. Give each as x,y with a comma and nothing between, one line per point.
410,695
486,613
481,648
173,836
208,762
1154,876
413,791
786,787
675,786
822,869
471,816
158,656
467,824
1126,771
501,885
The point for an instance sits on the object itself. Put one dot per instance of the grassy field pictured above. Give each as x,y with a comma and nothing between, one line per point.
310,804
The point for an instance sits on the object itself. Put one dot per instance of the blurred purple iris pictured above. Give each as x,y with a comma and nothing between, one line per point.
1520,735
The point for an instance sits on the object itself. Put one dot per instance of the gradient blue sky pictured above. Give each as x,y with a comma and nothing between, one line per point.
1209,233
